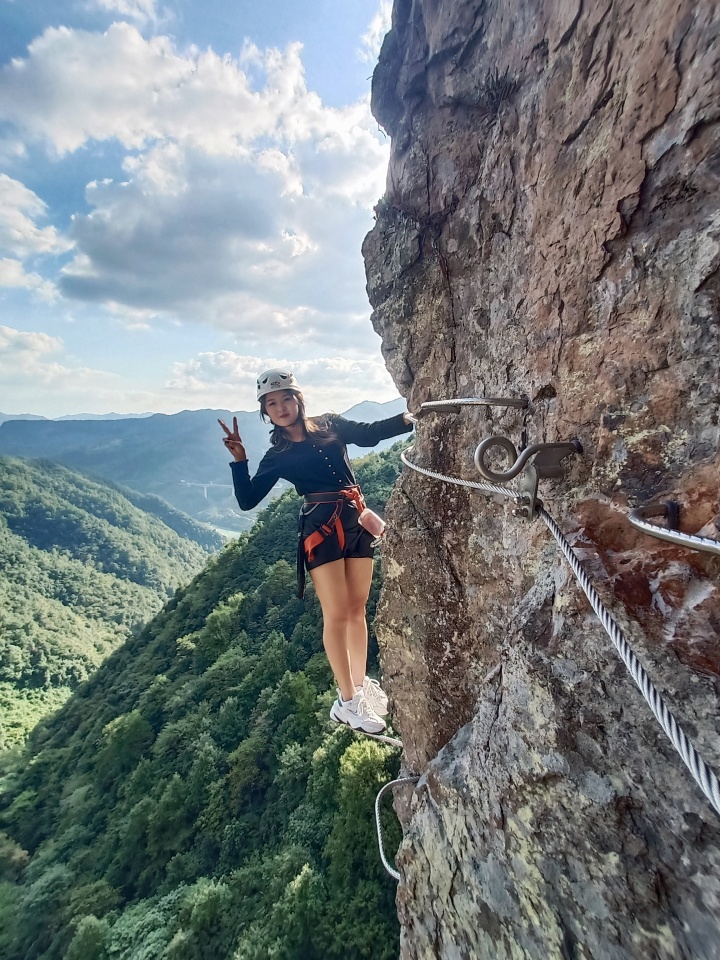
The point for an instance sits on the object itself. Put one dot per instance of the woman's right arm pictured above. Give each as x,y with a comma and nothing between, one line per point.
249,492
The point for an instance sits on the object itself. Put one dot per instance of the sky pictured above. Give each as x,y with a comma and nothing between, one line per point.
184,190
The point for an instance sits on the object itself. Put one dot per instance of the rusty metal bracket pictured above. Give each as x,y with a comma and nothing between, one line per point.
669,510
547,464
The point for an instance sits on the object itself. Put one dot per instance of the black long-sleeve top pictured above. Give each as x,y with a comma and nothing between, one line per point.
313,467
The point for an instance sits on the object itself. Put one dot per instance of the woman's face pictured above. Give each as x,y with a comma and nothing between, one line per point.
282,407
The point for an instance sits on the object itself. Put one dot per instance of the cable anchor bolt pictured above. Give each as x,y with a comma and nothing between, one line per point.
547,464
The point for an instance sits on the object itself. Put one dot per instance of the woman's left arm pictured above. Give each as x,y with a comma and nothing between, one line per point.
368,434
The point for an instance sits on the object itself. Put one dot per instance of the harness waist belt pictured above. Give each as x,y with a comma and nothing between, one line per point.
331,496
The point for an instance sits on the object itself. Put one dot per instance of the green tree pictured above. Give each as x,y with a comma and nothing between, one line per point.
125,740
90,940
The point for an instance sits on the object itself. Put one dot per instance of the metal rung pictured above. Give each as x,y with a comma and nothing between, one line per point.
671,512
453,406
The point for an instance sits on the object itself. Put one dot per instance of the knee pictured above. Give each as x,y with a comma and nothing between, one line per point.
335,619
356,610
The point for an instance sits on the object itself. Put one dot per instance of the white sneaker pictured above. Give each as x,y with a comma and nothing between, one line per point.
357,713
376,695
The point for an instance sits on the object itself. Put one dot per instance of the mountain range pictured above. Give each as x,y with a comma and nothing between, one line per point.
74,416
179,457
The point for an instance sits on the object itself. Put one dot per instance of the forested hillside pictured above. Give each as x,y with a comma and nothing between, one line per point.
169,456
81,567
192,799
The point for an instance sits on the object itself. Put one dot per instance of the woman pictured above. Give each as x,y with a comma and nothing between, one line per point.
311,453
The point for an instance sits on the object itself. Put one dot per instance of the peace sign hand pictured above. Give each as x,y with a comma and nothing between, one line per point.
232,441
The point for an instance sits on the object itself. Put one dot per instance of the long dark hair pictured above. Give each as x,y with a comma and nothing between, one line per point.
318,429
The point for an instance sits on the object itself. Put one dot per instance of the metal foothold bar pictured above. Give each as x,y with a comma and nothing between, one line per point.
548,462
388,786
638,519
453,406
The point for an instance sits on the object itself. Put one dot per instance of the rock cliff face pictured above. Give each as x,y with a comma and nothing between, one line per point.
551,228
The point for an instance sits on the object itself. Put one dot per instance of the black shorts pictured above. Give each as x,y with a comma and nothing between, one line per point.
358,542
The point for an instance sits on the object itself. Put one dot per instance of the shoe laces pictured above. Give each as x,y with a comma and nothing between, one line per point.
373,690
364,708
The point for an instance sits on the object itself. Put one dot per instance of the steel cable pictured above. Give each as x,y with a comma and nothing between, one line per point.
383,738
438,406
489,488
702,773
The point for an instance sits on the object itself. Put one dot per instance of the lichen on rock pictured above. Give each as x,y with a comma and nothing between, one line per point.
551,229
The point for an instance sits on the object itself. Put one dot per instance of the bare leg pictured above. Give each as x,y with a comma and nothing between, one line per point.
331,588
358,577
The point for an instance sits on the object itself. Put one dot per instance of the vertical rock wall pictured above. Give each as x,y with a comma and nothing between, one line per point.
551,228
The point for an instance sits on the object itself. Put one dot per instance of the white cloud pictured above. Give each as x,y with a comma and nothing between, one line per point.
26,347
27,365
38,376
12,150
372,39
75,86
247,203
141,10
227,379
21,239
219,240
297,243
12,274
231,241
19,234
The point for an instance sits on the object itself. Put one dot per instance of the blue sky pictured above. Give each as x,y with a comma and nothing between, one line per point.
184,188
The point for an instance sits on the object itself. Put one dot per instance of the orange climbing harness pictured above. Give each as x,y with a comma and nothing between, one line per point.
334,524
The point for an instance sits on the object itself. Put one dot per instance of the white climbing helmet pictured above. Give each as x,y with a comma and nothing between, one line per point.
276,380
